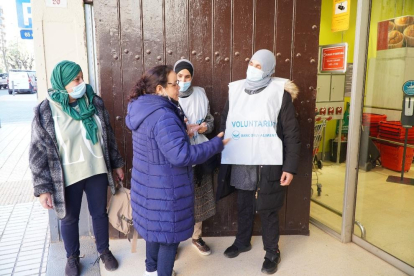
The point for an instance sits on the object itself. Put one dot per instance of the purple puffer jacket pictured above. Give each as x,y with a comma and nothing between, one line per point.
162,191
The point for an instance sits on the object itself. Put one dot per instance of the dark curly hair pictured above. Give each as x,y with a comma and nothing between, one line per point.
148,83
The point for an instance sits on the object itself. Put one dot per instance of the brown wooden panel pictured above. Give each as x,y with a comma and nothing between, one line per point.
131,47
105,40
221,50
283,47
243,18
264,37
283,50
304,73
109,62
223,220
200,37
170,29
176,30
264,32
153,33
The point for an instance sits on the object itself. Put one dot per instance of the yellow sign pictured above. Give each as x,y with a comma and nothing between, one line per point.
340,15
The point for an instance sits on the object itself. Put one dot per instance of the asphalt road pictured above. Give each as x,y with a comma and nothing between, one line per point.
16,108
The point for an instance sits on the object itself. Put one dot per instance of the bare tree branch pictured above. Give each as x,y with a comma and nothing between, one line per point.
19,59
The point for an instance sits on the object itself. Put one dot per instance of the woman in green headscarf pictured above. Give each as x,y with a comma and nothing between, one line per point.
72,150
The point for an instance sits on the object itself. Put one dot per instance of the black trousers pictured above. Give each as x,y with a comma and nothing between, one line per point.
269,219
96,188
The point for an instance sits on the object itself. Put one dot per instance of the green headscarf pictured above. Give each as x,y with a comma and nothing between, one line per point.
63,73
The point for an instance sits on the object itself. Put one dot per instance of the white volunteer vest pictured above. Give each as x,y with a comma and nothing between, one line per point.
252,123
195,108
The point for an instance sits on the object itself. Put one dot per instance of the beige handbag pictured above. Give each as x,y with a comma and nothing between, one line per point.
120,213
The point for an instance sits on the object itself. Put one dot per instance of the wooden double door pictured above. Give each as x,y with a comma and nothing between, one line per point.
219,37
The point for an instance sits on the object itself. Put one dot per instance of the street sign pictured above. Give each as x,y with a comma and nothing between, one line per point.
26,34
24,13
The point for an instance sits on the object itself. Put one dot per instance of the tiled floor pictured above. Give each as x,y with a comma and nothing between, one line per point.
385,209
24,233
318,254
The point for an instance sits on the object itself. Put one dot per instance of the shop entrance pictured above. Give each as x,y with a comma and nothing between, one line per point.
384,211
218,37
386,206
332,114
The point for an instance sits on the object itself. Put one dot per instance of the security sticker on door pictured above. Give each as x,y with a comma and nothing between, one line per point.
408,88
57,3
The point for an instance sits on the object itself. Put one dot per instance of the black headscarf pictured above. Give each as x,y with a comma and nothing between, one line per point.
184,64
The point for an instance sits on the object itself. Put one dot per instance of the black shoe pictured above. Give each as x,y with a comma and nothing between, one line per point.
270,263
72,266
233,251
109,260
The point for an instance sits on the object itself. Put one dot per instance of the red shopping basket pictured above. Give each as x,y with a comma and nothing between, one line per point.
392,156
394,131
371,118
372,121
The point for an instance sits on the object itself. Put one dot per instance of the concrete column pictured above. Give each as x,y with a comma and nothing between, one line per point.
59,34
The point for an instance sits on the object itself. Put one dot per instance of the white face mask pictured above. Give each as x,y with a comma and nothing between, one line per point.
78,91
254,74
184,85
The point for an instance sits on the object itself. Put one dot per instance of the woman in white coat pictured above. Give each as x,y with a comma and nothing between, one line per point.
194,102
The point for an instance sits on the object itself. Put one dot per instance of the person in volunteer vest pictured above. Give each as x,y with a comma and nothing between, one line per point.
73,150
264,153
194,102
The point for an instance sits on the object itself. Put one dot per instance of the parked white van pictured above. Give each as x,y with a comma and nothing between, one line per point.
3,80
22,81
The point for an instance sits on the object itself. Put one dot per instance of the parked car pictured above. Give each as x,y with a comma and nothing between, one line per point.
3,80
22,81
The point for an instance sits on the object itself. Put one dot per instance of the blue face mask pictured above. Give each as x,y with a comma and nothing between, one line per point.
78,91
254,74
184,85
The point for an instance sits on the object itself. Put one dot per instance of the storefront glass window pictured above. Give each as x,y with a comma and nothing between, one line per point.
385,205
332,118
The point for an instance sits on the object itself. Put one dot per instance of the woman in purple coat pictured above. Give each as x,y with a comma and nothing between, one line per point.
162,192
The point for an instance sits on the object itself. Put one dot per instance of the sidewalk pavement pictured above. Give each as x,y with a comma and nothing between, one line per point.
24,228
24,239
25,247
57,259
15,178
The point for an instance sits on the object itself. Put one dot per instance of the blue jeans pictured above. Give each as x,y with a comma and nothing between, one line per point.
96,188
161,257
